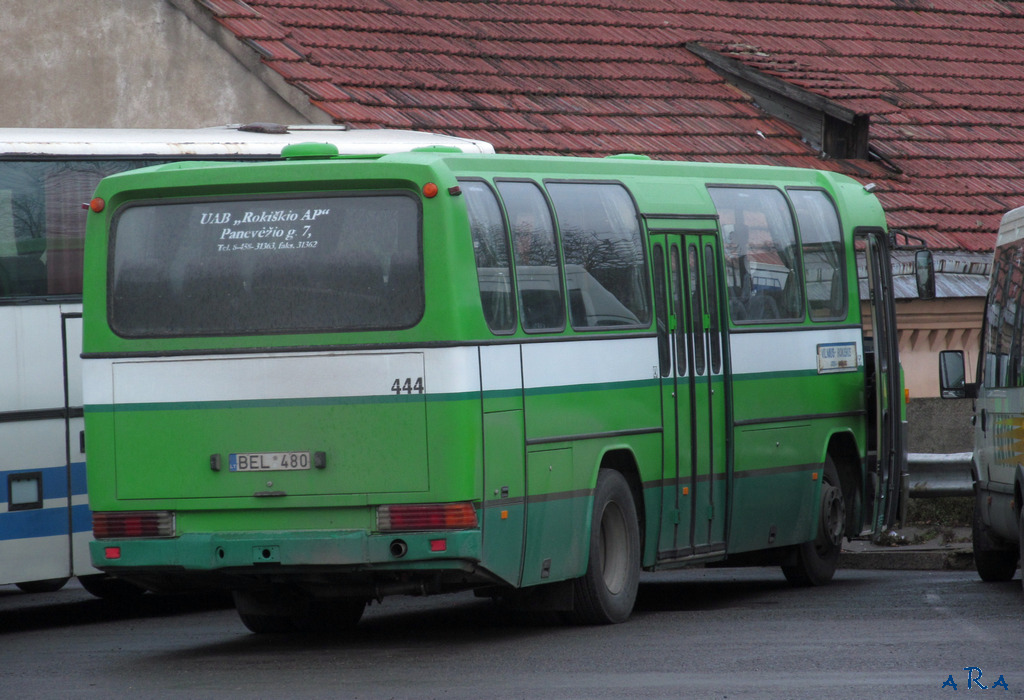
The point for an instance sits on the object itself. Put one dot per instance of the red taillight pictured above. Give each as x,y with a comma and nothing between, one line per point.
426,516
156,523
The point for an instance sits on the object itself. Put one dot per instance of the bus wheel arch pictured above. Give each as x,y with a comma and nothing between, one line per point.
606,592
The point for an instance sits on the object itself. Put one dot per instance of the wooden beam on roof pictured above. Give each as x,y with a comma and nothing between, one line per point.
723,64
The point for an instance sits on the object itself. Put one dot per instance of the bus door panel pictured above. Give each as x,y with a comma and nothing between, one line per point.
504,478
74,442
34,476
707,394
675,539
887,454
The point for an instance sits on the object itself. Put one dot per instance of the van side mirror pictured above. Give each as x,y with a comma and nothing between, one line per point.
924,271
952,376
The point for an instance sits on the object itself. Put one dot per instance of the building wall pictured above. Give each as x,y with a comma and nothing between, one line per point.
124,63
925,328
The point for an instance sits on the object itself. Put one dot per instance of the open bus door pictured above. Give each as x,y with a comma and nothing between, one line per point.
887,454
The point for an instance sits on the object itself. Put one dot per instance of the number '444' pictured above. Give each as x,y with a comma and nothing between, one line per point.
408,385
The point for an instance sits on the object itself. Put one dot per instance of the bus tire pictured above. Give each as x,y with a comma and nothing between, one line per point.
817,560
606,593
260,614
110,588
46,586
331,616
1020,544
994,562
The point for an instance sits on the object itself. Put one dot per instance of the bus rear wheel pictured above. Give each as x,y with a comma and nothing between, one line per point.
817,560
281,610
606,593
46,586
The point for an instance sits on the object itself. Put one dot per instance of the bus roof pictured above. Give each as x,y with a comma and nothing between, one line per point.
230,140
1012,227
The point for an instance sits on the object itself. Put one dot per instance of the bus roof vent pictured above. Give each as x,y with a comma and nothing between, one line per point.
264,128
437,149
299,151
629,156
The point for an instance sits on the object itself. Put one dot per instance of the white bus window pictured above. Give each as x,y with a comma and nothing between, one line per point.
490,247
761,255
42,223
824,263
538,278
604,254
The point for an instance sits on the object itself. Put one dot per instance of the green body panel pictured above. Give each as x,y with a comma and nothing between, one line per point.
504,493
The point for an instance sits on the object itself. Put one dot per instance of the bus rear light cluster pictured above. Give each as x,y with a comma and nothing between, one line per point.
426,516
154,523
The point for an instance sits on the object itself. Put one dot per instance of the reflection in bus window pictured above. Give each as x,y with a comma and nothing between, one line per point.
490,247
541,306
601,235
761,254
824,262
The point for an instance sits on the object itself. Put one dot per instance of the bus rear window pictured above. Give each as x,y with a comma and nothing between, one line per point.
220,267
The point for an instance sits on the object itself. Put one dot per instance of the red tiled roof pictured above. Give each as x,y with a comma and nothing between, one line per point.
942,81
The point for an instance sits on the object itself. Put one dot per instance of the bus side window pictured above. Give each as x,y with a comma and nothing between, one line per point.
605,266
490,247
762,260
42,223
824,261
535,254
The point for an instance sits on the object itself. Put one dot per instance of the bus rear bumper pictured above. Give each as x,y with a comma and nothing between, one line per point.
205,557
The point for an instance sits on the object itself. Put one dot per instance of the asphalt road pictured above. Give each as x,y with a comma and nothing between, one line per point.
706,633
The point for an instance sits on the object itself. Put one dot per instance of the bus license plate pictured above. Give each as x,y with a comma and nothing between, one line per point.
268,461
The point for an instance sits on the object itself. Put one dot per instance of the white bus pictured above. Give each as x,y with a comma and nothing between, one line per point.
998,391
46,177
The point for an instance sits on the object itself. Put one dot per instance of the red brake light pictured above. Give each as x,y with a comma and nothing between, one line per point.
426,516
157,523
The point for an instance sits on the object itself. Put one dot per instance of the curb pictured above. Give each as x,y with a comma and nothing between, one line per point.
899,558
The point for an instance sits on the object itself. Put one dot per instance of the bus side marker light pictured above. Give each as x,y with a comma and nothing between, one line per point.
430,190
686,490
814,476
97,205
112,552
438,545
504,515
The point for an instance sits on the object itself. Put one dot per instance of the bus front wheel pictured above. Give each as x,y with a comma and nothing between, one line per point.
995,561
817,560
607,591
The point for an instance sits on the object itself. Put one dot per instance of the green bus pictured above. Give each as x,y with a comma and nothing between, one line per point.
326,379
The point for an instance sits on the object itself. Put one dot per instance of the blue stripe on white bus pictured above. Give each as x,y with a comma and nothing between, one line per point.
44,522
